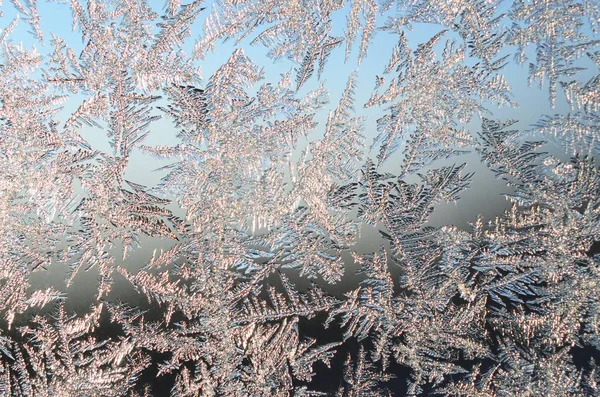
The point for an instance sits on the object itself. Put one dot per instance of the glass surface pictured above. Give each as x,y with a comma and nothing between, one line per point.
316,197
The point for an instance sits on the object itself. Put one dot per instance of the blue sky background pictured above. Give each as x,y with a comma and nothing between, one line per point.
56,20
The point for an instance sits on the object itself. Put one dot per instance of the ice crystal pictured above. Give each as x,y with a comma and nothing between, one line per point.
267,196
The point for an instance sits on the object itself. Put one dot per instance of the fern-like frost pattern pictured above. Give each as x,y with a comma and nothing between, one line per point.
268,184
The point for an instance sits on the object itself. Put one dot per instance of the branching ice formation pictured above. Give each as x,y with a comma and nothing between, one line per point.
269,184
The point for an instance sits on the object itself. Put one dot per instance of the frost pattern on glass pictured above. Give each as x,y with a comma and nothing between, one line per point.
274,179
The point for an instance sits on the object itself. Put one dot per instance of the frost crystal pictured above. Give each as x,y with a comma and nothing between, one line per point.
230,270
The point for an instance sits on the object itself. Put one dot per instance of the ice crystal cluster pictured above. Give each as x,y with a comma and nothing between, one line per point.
280,164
